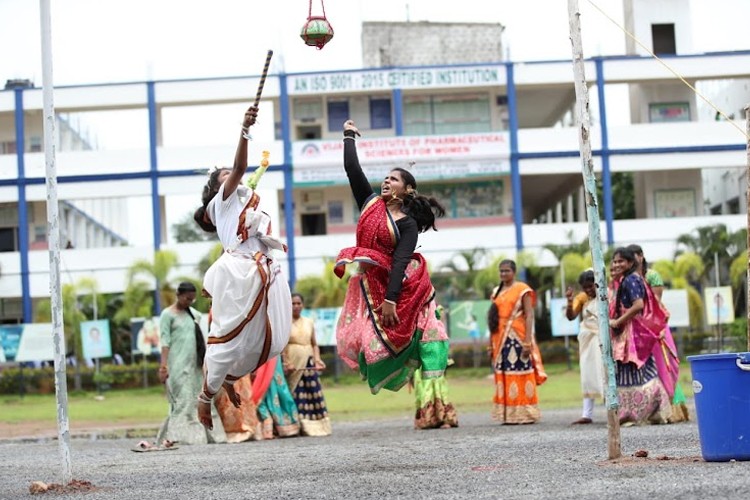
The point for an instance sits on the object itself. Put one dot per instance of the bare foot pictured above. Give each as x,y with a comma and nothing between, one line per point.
204,415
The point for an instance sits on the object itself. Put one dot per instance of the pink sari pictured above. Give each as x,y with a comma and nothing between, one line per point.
636,343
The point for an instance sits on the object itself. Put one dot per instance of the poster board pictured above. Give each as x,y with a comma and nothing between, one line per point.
676,302
467,320
325,319
145,335
95,339
719,305
36,343
561,325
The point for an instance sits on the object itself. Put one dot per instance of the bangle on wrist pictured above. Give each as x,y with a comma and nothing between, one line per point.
390,302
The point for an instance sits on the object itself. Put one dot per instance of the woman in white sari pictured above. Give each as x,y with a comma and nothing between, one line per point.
251,306
590,353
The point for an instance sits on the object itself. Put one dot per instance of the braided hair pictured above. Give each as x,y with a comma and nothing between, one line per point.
423,209
200,342
209,191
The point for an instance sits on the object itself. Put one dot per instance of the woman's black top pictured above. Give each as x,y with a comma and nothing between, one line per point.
407,227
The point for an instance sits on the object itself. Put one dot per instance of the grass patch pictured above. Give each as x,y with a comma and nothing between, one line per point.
348,399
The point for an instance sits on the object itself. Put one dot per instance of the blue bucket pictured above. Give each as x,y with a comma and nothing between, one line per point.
721,384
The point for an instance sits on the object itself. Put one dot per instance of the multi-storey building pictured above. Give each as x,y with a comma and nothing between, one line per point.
493,140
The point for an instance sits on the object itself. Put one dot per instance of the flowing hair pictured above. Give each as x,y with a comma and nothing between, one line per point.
209,191
200,342
637,250
423,209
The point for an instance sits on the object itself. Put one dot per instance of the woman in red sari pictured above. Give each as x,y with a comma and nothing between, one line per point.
388,325
516,359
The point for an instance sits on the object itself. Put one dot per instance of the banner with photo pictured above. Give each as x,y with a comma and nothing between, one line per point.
325,319
95,339
719,305
145,335
467,320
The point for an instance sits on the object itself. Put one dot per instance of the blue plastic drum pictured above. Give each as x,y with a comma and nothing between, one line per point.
721,384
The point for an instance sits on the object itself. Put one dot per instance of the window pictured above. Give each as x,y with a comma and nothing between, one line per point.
313,224
470,199
35,144
8,239
662,39
8,148
309,132
338,113
307,109
380,113
451,114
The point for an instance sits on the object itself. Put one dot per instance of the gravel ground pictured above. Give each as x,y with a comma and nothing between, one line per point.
388,459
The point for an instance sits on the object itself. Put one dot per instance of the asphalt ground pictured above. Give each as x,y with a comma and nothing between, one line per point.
389,459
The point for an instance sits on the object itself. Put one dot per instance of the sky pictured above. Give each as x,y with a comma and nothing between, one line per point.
102,41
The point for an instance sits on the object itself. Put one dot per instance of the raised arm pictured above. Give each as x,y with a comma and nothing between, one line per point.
361,188
240,156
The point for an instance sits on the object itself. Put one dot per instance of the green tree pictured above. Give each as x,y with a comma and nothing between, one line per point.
457,276
708,241
623,196
683,274
186,231
325,290
72,318
159,270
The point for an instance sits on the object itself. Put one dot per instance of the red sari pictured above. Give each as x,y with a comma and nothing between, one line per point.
386,356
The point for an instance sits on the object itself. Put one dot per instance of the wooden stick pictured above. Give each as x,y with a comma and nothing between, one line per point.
263,78
583,121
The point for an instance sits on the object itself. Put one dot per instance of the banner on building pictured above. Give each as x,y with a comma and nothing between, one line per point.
397,78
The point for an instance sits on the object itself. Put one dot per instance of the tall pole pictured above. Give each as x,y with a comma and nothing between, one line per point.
747,200
592,211
53,237
720,343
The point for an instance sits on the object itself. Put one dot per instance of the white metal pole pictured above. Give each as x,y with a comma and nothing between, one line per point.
583,121
53,237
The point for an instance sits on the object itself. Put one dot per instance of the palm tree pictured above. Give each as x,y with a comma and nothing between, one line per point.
709,241
682,274
159,270
326,290
461,272
72,317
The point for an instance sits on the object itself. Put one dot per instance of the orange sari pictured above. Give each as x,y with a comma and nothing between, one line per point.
516,376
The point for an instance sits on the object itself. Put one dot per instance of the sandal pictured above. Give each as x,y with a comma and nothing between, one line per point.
582,420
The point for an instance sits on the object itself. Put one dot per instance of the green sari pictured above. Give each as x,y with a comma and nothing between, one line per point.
277,410
184,383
